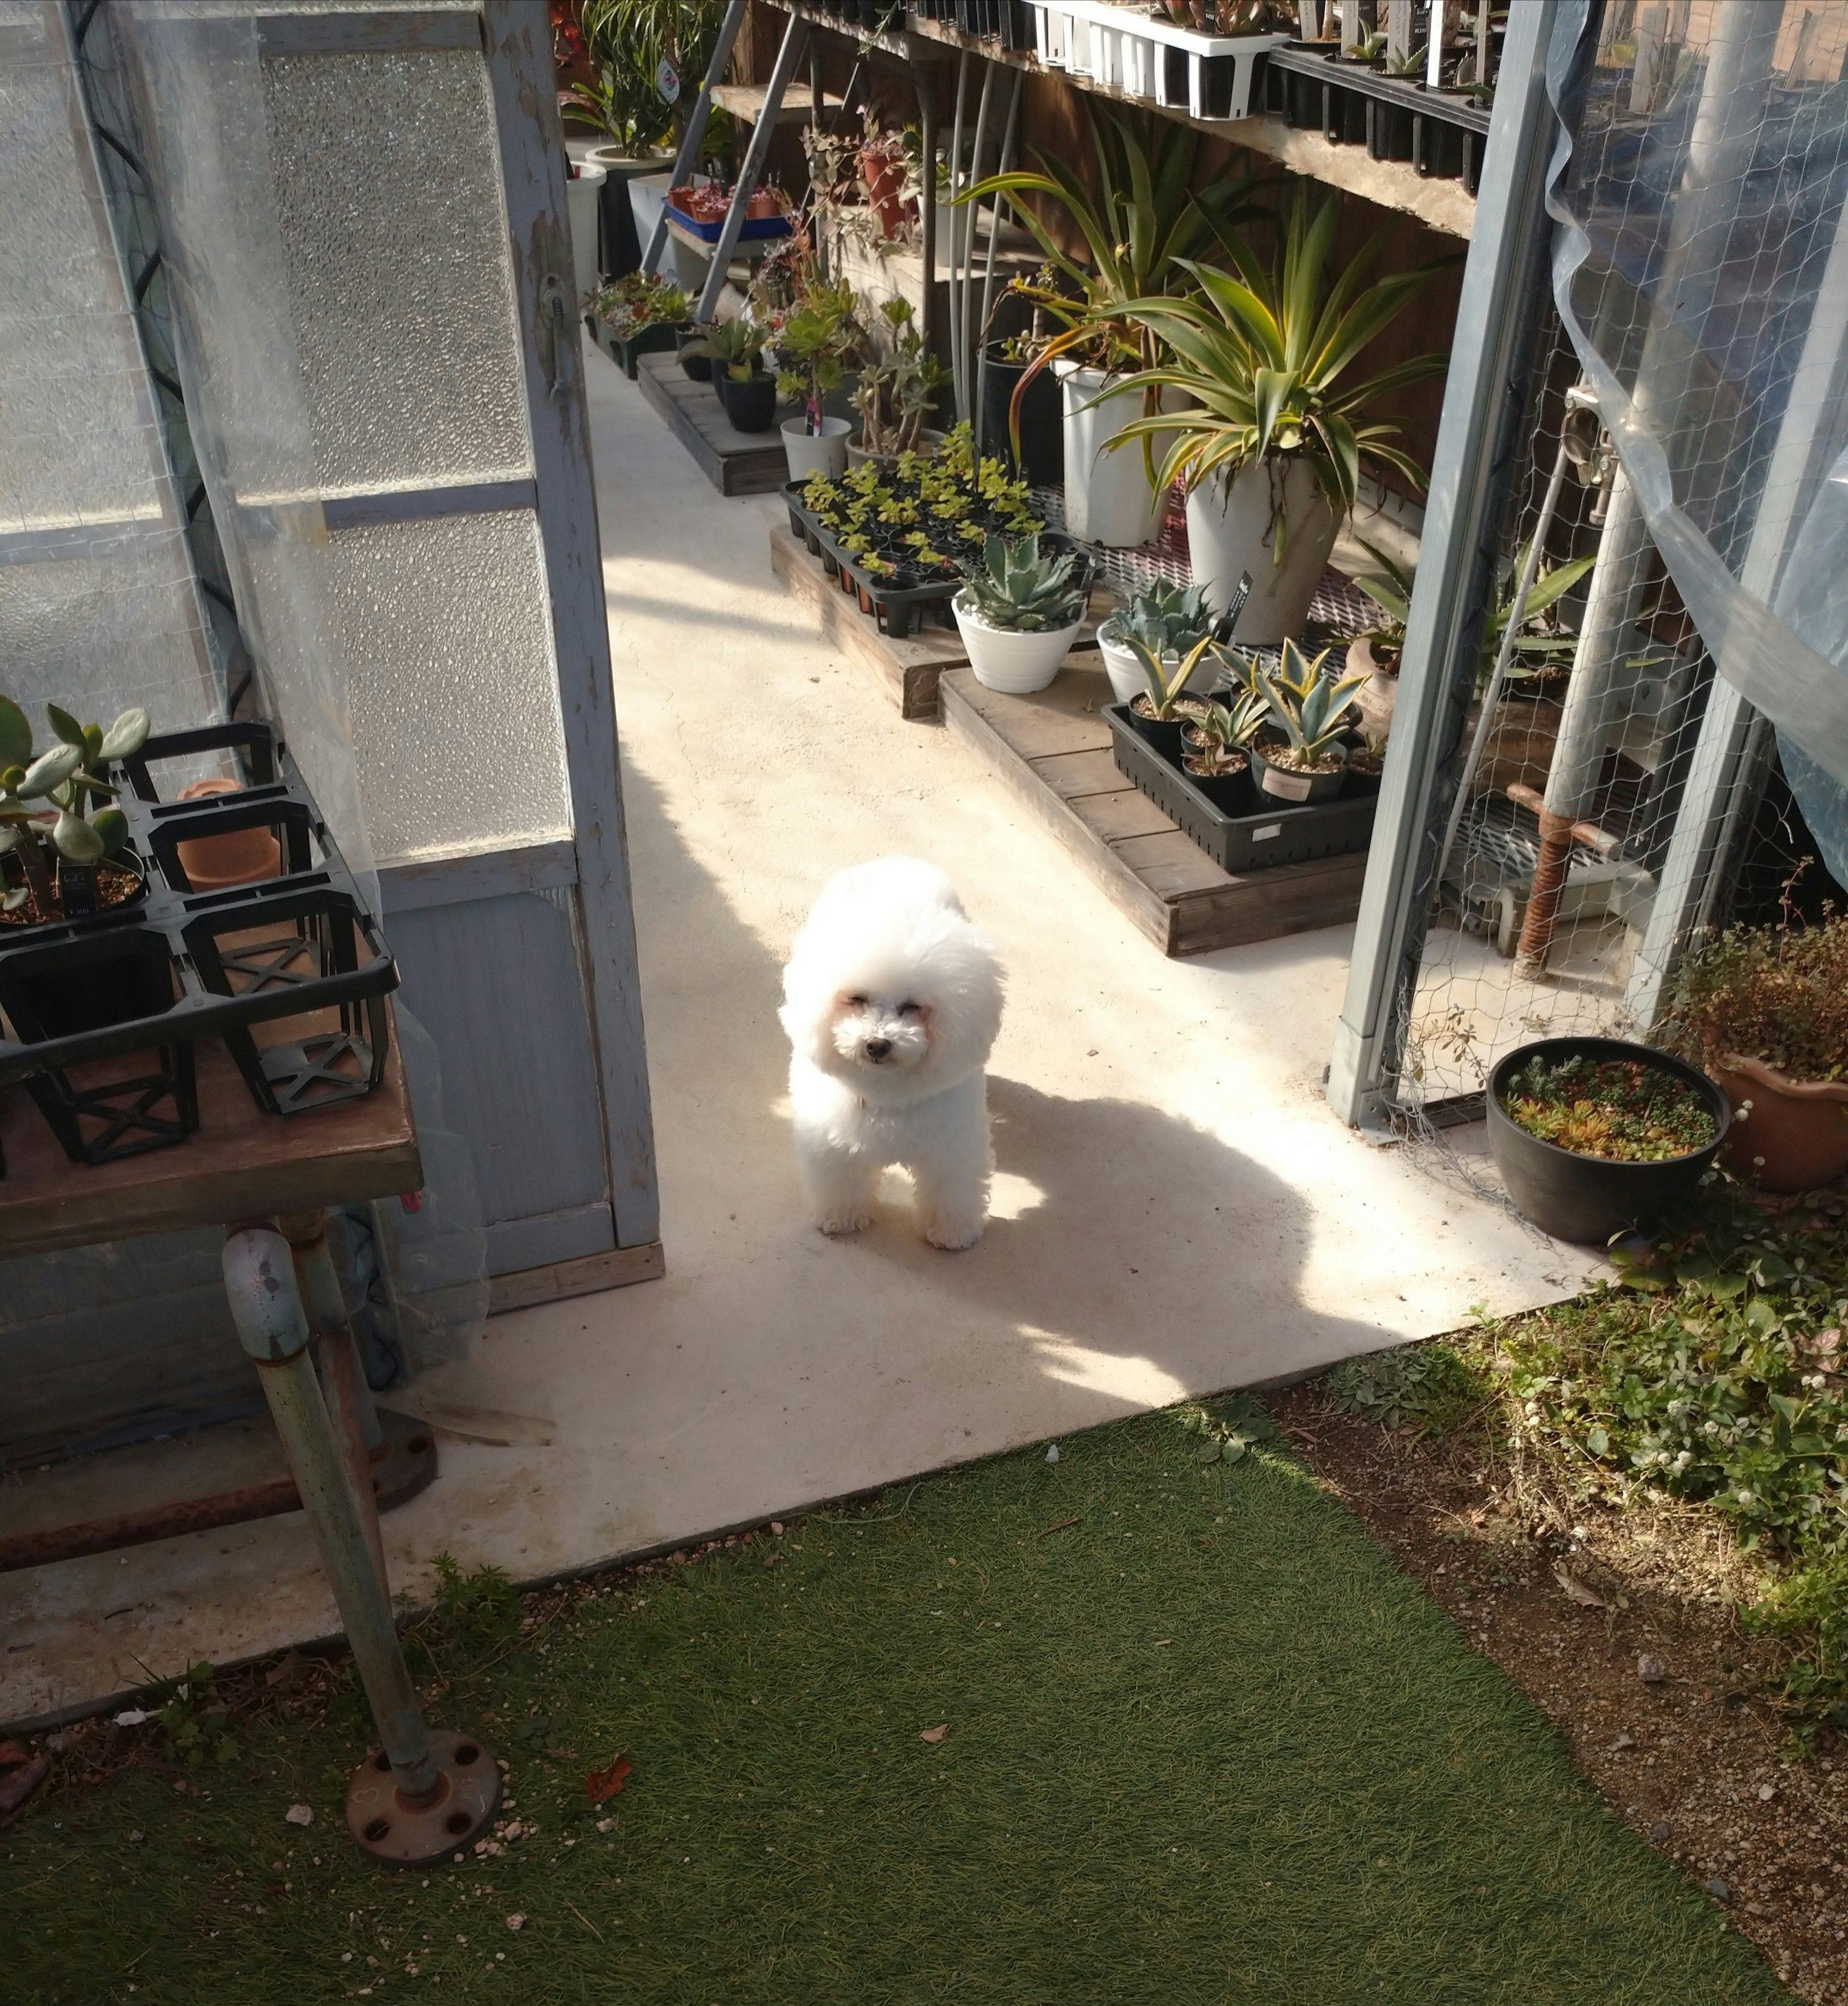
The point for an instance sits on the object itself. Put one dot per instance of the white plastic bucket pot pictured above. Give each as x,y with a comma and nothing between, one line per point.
1123,666
584,196
1108,496
1015,664
1230,530
823,452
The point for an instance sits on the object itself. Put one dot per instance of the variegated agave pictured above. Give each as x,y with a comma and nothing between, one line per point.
1306,705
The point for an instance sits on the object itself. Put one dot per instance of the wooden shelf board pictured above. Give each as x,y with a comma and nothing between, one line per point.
1052,752
745,103
735,462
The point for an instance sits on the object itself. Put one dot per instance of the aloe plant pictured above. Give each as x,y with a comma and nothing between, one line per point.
1539,641
47,798
1022,591
1307,704
1260,356
1369,48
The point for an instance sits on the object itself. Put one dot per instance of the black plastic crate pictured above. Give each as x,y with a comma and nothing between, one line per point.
1239,843
291,971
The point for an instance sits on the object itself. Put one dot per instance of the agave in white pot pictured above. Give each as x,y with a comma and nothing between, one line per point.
1269,444
1168,620
1020,610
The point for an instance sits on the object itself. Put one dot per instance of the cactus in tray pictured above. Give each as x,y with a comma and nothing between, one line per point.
1021,590
54,808
1308,706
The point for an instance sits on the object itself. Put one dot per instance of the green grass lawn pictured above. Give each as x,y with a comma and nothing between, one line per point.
1205,1744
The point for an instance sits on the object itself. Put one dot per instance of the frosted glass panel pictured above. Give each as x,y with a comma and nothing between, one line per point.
447,633
394,231
73,445
97,634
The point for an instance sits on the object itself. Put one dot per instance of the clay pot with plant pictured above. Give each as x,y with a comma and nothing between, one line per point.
63,847
1764,1012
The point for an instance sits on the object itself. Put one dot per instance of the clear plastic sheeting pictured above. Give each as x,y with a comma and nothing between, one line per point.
1701,268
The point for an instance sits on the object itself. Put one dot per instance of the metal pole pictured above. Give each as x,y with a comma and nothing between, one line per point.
1481,439
259,1279
688,158
979,362
965,397
955,219
755,154
927,202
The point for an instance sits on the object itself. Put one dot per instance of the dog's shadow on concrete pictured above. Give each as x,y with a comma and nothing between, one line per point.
1127,1234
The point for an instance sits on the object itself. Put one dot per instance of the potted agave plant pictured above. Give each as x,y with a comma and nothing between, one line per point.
1216,748
1170,621
1167,701
1305,759
1270,439
734,351
1019,611
1764,1012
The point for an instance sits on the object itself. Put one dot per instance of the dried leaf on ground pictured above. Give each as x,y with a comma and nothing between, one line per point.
299,1814
604,1783
934,1733
10,1753
1588,1598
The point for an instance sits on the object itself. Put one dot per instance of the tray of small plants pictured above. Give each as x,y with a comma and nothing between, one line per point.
141,909
897,535
1262,766
1597,1136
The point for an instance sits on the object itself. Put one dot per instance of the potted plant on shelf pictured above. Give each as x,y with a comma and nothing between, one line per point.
734,350
63,847
1138,231
1158,711
1215,749
1019,611
1169,620
1595,1137
1031,431
1306,760
639,313
897,391
817,340
1270,444
1764,1012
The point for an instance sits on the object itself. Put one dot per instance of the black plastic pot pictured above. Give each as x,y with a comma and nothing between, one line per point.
1162,734
1298,790
698,367
1042,461
751,405
1231,793
1589,1200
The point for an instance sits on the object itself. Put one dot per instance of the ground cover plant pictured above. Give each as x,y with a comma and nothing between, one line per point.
917,520
638,299
1625,1111
1156,1720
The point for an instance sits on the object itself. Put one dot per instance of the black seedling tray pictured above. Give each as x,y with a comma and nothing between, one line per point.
898,609
1276,835
191,964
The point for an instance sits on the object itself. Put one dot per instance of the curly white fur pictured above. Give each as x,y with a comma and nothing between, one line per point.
891,1000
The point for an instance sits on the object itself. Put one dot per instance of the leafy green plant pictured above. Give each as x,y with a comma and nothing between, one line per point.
897,390
624,44
1261,357
1623,1111
1228,1429
736,346
1307,704
1424,1386
1020,589
1538,645
481,1608
1779,994
814,344
46,799
638,299
196,1723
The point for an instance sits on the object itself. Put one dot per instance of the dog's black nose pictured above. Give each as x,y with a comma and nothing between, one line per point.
877,1048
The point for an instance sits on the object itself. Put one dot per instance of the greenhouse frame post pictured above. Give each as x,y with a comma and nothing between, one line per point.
1480,437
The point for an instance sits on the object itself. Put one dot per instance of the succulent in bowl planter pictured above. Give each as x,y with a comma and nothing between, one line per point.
57,829
1308,709
1019,610
1764,1010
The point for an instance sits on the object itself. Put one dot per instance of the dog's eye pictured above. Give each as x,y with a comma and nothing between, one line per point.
908,1010
858,1002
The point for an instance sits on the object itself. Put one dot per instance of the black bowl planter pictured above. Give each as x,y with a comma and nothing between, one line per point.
698,367
751,405
1589,1200
1289,784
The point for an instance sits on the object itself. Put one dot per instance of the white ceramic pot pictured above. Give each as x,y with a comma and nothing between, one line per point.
1016,664
807,453
1108,498
1124,666
583,196
1231,529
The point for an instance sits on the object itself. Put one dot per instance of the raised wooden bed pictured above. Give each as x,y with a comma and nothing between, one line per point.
735,462
1053,751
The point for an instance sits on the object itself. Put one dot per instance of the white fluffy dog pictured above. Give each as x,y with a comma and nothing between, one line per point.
892,1001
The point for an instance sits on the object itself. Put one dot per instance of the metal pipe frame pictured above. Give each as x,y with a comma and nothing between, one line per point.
1010,141
927,201
794,37
966,389
1482,438
688,158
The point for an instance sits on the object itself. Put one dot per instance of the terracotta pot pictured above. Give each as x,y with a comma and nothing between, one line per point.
1375,697
1788,1135
885,177
239,857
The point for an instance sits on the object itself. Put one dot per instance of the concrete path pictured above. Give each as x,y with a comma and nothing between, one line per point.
1176,1209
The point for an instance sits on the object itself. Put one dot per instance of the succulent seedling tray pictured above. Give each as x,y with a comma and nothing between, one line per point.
752,230
898,609
292,972
1276,834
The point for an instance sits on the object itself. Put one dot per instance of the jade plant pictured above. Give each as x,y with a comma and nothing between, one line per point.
1021,590
1308,706
817,341
55,804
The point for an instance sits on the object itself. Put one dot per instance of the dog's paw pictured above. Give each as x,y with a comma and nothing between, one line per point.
952,1234
840,1225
